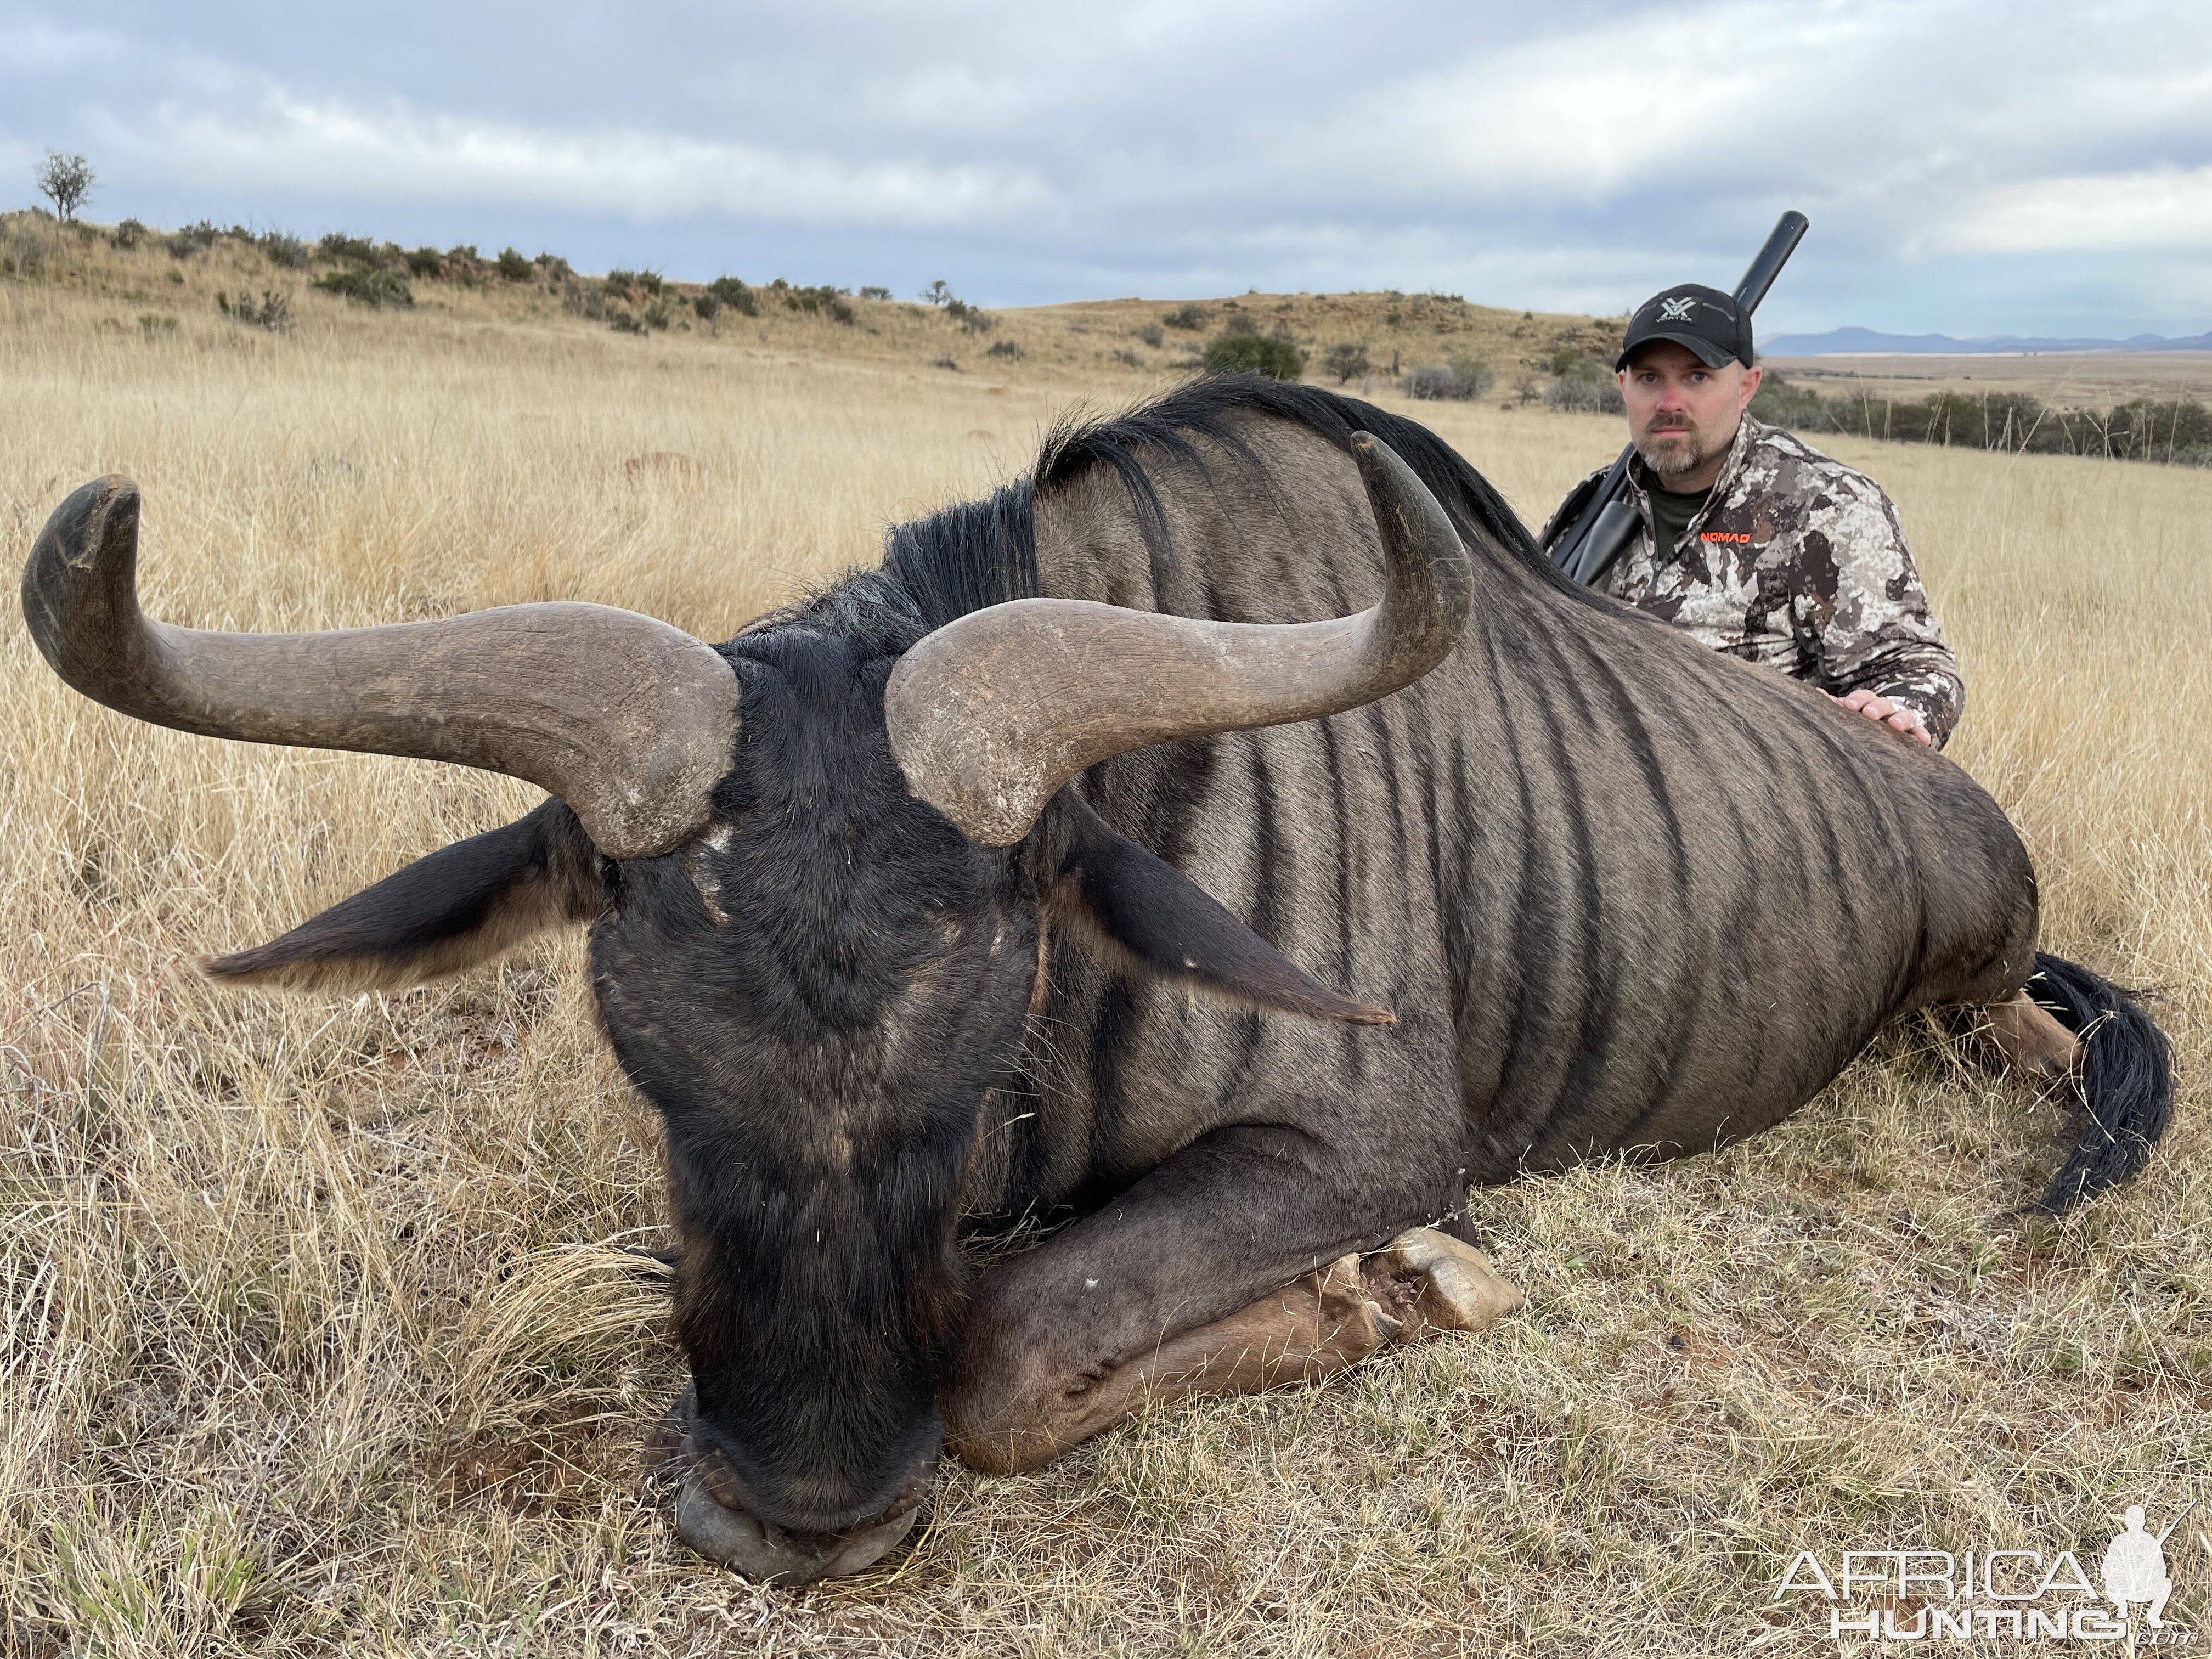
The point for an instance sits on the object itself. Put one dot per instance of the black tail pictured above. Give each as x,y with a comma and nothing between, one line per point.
2126,1082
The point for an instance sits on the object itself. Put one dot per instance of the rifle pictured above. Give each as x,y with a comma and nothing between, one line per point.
1608,522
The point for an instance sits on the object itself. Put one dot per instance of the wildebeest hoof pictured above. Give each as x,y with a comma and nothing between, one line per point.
1432,1281
772,1555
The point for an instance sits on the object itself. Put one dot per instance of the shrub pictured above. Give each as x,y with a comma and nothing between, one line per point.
153,324
554,267
583,300
425,261
514,268
1586,388
464,254
656,315
338,246
1461,379
1126,356
1152,336
649,280
973,318
23,251
283,252
273,313
1192,316
129,234
1007,349
937,294
367,285
193,238
824,300
64,180
946,362
705,308
875,293
1239,348
1346,359
735,294
618,283
625,321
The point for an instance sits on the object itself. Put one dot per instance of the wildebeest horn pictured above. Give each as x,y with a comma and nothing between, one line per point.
628,720
991,713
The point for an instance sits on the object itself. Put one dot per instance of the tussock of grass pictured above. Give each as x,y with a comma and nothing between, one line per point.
317,1333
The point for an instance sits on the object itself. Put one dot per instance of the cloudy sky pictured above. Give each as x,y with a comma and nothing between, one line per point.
1971,166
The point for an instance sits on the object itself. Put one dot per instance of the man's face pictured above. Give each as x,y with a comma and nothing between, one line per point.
1682,416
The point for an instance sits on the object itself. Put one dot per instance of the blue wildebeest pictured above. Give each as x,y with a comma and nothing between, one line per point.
977,886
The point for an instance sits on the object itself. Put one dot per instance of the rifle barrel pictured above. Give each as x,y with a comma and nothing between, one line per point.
1789,230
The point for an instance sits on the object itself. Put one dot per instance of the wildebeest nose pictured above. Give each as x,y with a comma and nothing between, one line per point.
767,1553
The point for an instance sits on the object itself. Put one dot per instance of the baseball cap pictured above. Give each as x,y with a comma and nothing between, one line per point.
1690,314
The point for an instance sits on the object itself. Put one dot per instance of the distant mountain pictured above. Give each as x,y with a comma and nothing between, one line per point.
1865,341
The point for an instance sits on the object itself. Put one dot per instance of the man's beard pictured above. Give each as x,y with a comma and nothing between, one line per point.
1673,459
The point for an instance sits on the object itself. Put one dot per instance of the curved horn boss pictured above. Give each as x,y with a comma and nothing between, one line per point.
989,715
628,720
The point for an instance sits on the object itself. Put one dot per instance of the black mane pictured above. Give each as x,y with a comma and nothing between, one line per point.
983,553
1208,408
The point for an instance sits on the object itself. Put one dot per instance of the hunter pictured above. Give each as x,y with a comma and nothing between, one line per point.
1755,542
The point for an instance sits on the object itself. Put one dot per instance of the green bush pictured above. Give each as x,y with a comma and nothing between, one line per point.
338,246
129,234
514,268
193,238
735,294
425,261
1585,386
273,312
285,252
583,300
875,293
1192,316
1346,359
1240,348
1007,349
2141,429
824,299
368,285
1461,379
618,283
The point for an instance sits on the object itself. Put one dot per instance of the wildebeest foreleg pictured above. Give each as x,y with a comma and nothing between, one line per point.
1083,1332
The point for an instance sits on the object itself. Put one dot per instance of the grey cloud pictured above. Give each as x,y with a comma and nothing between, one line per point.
1968,167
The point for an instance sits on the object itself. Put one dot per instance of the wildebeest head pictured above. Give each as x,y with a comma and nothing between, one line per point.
819,863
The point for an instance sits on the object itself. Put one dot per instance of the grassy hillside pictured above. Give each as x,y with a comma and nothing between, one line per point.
316,1337
169,281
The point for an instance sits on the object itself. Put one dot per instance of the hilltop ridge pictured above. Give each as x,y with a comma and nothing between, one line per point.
277,282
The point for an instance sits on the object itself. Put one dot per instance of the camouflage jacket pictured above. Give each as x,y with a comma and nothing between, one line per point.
1798,562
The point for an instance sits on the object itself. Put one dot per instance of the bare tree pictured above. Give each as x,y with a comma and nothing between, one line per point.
64,180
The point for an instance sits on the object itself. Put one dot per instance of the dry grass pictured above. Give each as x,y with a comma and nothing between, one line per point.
317,1337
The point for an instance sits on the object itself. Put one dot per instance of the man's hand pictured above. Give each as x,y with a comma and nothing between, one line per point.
1895,715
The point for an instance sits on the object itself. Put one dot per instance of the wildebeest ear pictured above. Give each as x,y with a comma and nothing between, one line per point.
1130,904
460,906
